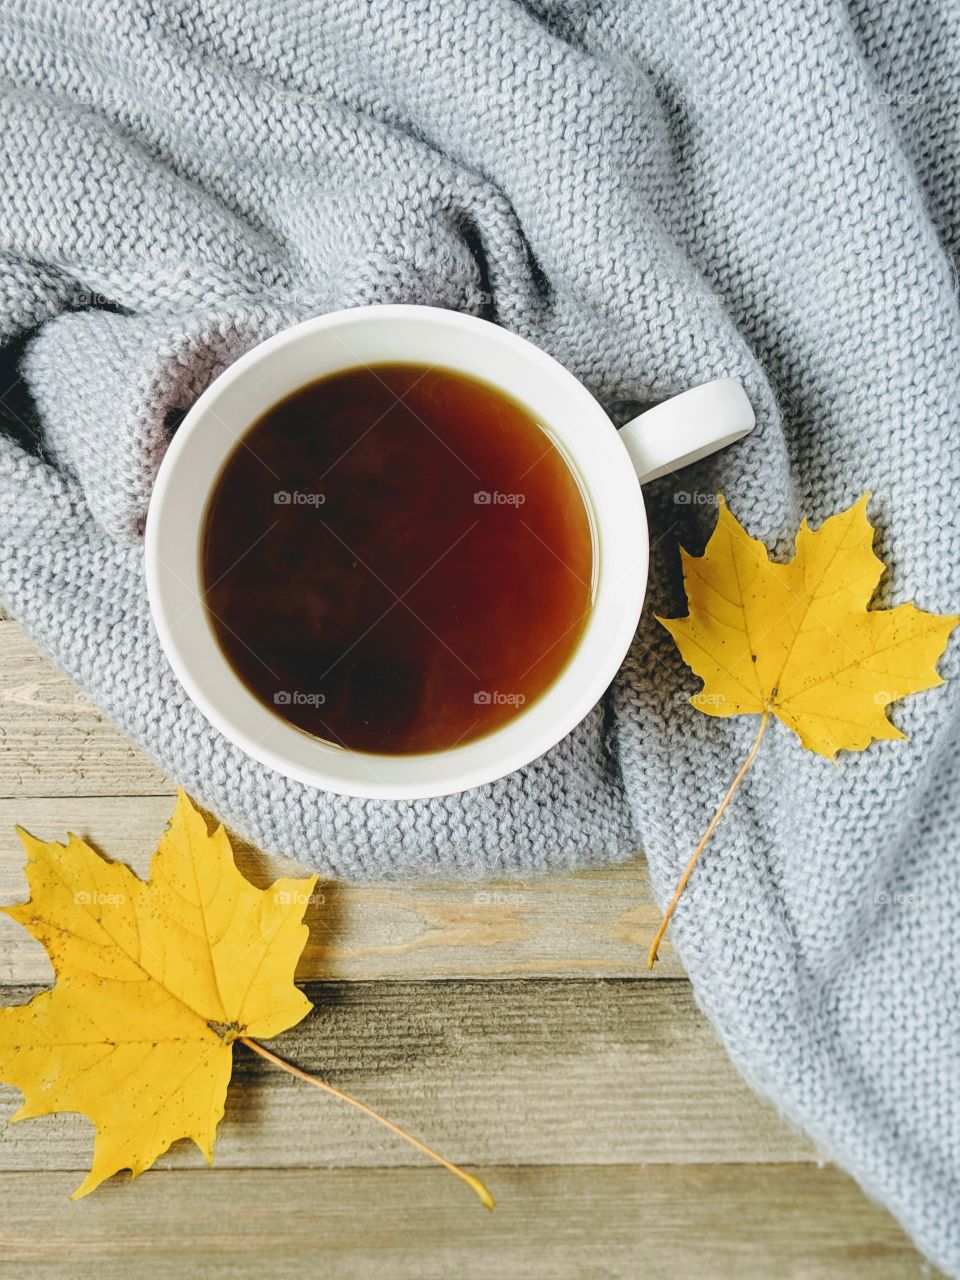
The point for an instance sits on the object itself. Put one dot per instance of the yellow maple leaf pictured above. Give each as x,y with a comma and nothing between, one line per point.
797,640
155,980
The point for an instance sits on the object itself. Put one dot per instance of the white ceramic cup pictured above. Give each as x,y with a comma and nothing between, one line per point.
608,463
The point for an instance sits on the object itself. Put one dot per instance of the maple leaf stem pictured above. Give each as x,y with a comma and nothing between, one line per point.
473,1183
741,774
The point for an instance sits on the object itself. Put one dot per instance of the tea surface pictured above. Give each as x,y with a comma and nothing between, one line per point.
397,559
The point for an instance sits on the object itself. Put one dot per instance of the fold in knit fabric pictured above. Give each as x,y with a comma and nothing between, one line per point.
656,194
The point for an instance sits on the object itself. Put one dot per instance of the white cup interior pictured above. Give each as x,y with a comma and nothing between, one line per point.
368,336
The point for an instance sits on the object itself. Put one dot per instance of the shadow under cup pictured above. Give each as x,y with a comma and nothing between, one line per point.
398,558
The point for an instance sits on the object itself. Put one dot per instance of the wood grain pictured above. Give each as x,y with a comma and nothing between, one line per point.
64,767
594,922
512,1072
53,740
716,1222
601,1109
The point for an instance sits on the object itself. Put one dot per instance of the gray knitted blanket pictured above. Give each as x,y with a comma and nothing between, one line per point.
657,194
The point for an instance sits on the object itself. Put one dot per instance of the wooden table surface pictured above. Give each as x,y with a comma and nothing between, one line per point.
513,1026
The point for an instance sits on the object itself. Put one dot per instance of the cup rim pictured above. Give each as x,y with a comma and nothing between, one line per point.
621,547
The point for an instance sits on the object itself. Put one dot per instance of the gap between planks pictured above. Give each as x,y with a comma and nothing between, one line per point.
58,753
576,1071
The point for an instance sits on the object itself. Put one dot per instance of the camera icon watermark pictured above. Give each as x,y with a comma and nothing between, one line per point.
503,898
284,498
297,898
494,698
695,498
703,700
897,898
484,498
297,698
94,898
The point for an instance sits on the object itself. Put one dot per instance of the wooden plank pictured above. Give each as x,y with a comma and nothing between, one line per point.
53,740
680,1223
593,922
613,1072
54,743
519,1072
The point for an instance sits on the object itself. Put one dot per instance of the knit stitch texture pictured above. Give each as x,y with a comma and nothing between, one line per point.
657,193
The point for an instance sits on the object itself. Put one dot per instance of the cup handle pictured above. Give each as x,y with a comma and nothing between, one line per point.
687,427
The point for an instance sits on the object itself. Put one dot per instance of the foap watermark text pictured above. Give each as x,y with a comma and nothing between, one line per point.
284,498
